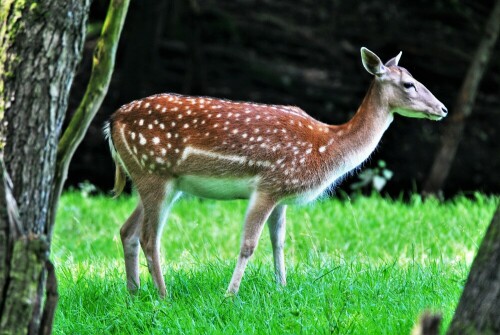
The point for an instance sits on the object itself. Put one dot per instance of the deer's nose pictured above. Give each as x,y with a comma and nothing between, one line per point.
444,110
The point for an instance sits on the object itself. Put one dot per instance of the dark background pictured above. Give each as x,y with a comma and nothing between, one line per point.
306,53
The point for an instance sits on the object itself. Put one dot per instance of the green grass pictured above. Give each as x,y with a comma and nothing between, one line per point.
366,266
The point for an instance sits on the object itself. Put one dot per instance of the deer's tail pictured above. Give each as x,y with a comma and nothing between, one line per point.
120,175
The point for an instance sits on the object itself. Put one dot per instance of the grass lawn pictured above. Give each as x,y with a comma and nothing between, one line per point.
368,265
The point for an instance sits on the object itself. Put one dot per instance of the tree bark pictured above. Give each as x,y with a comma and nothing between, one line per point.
41,55
40,46
479,305
463,106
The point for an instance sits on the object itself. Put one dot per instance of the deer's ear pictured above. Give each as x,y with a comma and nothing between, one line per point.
372,63
394,61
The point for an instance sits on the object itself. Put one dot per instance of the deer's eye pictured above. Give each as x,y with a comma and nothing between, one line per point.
408,85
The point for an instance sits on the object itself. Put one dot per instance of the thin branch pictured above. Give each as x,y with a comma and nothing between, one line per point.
463,105
102,69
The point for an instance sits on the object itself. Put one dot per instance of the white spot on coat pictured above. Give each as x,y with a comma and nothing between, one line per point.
142,140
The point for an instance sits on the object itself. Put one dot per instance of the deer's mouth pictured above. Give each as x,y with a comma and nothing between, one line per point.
435,117
438,116
428,113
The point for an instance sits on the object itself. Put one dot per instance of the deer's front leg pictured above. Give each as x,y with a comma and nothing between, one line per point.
258,211
277,232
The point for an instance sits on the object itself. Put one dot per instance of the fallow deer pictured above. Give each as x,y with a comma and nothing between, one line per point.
273,155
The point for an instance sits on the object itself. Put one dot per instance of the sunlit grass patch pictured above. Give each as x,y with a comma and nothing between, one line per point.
364,266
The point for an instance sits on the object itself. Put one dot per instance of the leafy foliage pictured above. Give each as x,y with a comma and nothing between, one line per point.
376,177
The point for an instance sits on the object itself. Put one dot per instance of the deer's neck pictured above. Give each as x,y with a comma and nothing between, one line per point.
359,137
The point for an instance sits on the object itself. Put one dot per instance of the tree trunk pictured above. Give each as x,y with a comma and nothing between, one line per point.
463,106
40,46
479,305
41,42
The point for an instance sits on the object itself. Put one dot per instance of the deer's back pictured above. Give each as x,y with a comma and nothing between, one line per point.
220,147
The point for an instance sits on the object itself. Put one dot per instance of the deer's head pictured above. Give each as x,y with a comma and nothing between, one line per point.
404,94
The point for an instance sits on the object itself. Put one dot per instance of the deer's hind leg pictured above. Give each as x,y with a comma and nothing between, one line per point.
157,196
129,234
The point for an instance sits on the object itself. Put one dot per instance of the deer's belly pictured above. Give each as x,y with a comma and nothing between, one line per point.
217,188
315,191
311,194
